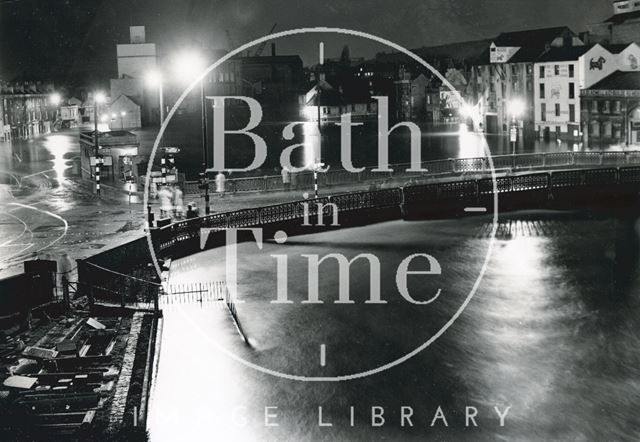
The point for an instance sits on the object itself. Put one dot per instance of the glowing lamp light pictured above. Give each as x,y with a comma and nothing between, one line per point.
100,97
310,112
466,110
188,65
123,113
154,78
104,118
55,99
516,107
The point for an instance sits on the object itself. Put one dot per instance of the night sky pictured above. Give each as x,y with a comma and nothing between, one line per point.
74,40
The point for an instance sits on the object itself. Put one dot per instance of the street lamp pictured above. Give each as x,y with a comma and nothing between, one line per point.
55,99
98,98
188,65
516,108
154,79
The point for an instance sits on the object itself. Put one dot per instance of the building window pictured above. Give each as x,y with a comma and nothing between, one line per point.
556,70
572,90
606,129
572,113
606,107
617,107
543,112
594,107
571,71
541,90
557,109
617,131
541,71
594,129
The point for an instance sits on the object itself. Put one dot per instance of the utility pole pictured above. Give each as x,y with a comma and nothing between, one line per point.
95,141
205,156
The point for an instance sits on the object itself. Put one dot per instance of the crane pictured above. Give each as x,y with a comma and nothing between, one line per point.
230,42
258,51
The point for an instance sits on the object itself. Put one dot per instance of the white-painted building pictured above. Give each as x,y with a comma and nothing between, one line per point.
559,76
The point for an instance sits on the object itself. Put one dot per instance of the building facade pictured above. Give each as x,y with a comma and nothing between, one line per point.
26,110
560,75
506,72
611,111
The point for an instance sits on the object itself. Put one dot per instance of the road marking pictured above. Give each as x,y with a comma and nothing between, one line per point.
323,355
475,209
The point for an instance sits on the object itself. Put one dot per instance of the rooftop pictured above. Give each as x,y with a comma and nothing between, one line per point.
621,18
563,53
619,81
532,43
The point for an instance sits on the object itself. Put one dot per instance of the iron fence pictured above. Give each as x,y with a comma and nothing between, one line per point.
452,166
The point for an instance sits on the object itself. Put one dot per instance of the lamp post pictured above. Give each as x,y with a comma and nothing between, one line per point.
154,78
55,100
188,65
98,98
516,108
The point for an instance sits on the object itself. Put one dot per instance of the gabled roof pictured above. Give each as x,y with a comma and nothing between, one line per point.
532,43
619,81
563,53
616,49
529,37
124,97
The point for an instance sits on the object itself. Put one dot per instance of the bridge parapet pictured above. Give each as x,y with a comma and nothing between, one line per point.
446,167
594,186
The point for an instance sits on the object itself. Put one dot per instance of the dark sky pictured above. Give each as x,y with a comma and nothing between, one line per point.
75,39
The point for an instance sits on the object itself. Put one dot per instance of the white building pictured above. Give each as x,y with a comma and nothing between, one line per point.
559,76
135,60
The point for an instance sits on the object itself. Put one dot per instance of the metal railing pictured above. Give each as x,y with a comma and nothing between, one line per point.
129,266
451,166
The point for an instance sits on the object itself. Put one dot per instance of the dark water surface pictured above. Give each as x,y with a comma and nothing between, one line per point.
552,333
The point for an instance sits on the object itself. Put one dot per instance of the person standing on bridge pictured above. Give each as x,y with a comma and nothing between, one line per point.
286,178
220,183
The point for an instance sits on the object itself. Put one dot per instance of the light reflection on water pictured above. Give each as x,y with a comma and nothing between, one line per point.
552,332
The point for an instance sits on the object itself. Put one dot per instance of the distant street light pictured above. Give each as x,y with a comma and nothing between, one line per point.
55,99
516,108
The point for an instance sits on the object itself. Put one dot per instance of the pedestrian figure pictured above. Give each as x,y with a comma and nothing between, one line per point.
220,183
178,204
165,201
286,178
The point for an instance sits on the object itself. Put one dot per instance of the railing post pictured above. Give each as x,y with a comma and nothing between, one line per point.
601,158
452,162
65,292
544,160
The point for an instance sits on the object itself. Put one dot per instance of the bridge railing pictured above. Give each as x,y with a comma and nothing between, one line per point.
451,166
129,266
